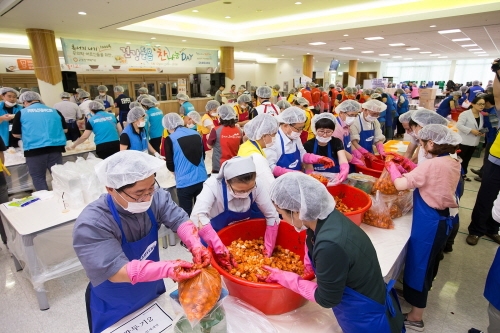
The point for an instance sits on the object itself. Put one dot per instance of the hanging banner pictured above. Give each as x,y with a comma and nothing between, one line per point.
86,52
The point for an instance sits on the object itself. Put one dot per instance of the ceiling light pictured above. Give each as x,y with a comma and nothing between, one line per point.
460,39
384,54
475,49
153,37
468,45
443,57
346,35
298,3
434,55
479,52
282,55
397,44
452,31
407,58
157,45
317,43
270,49
308,53
227,17
366,51
413,49
373,38
432,26
183,40
346,48
396,57
194,11
482,55
292,58
425,52
127,43
82,13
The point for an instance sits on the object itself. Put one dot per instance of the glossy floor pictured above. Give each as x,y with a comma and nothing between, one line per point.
455,302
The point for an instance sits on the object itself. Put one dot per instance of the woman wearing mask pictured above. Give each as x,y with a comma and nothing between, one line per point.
134,135
449,104
231,197
292,94
208,121
353,286
325,144
419,119
414,143
242,108
347,113
154,128
192,120
275,97
288,154
307,133
104,98
470,127
283,104
402,106
434,206
8,108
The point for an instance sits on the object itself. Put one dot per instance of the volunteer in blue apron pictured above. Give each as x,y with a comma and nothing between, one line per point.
8,108
288,154
435,203
116,239
154,126
228,198
347,112
104,98
134,135
325,144
366,131
348,274
402,106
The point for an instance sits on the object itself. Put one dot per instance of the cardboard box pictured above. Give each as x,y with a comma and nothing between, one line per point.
427,103
427,93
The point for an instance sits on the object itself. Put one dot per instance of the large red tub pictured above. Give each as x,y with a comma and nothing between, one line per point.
352,197
374,168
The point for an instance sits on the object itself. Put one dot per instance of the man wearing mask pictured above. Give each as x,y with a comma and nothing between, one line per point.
104,98
85,100
185,105
8,109
265,106
71,113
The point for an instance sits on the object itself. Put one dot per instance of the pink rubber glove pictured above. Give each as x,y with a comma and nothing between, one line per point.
362,150
380,149
356,153
293,282
357,161
270,239
366,154
148,270
309,171
408,164
308,268
342,175
278,171
311,158
393,170
188,233
222,254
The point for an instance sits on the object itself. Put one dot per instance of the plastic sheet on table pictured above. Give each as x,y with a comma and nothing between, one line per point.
244,318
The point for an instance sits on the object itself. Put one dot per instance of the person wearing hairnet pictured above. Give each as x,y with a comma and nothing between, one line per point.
235,194
419,119
134,136
316,98
192,120
122,102
261,133
325,101
154,126
288,154
8,109
116,239
449,104
105,128
242,107
275,95
104,98
434,206
265,106
291,95
404,119
183,153
307,133
185,105
381,117
209,121
325,144
348,274
390,113
283,104
474,90
366,131
144,93
306,93
71,113
402,106
347,113
463,96
84,99
225,139
42,130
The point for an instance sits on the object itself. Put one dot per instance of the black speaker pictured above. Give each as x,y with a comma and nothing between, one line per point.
217,80
70,81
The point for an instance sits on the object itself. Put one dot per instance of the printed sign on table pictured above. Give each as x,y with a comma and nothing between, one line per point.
150,319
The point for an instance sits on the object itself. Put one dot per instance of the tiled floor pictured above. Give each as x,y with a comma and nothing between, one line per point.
455,302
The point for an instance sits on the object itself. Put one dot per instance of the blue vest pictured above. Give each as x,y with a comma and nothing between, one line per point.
473,91
381,118
155,126
444,108
186,173
492,288
41,126
137,141
104,127
403,108
4,126
188,107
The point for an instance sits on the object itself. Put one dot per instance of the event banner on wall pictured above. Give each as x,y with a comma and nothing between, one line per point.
84,52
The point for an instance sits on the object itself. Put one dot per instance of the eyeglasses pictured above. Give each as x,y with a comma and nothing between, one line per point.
327,133
242,192
297,129
146,196
480,104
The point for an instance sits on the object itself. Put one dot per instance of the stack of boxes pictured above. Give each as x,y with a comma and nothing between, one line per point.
427,98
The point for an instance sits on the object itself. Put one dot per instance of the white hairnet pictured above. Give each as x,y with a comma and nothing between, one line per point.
77,90
195,115
65,95
439,134
235,167
83,94
276,87
348,105
302,101
96,105
375,96
261,125
23,90
456,93
102,88
134,105
292,115
379,90
349,90
142,90
147,102
405,117
118,89
464,89
182,97
172,120
315,118
245,98
226,112
127,167
264,92
134,114
211,105
5,90
374,105
475,83
30,96
283,104
355,90
426,117
301,193
400,91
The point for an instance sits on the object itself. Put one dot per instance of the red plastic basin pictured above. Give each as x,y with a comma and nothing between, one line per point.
352,197
270,298
374,168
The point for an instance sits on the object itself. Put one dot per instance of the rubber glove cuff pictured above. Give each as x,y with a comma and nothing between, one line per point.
293,282
270,238
148,270
393,170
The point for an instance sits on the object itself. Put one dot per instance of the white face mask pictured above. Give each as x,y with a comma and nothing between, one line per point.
323,140
298,229
102,94
370,119
9,104
270,144
294,135
243,106
241,195
137,207
142,124
349,120
214,114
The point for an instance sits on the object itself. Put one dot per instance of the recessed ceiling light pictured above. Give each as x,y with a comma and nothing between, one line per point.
397,44
413,49
127,43
183,40
432,26
407,58
443,57
298,3
468,45
373,38
475,49
434,55
308,53
384,54
396,57
157,45
195,11
82,13
316,60
227,17
282,55
425,52
270,49
346,48
153,37
460,39
482,55
452,31
292,58
366,51
346,35
479,52
317,43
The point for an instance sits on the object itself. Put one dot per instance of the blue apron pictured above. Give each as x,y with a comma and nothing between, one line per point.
357,313
492,288
290,161
321,167
109,301
347,140
366,137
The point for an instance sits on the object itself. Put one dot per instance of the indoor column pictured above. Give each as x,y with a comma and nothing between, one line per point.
307,65
353,72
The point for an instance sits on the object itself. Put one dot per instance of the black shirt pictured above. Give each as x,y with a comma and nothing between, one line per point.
124,138
123,103
335,145
191,147
3,181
